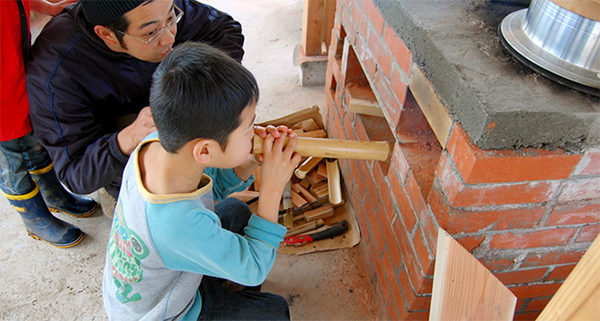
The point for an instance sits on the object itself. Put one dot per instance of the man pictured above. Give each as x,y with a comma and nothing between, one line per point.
90,77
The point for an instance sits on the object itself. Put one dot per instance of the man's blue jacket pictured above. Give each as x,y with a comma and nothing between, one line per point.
81,93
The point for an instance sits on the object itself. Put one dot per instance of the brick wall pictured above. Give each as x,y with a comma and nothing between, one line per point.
527,215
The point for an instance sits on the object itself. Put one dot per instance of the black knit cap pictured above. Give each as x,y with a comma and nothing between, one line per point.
102,12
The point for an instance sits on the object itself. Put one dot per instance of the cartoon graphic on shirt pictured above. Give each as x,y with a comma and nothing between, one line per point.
126,250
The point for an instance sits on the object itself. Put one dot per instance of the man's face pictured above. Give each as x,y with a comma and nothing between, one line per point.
145,22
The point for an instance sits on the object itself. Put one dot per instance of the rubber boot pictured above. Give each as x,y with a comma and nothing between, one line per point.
58,198
39,222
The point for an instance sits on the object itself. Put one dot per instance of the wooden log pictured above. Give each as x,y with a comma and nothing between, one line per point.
319,133
306,166
335,148
322,170
320,190
298,200
309,226
304,192
334,182
307,125
313,178
293,118
319,213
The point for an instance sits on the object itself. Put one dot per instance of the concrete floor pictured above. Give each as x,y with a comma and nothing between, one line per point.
40,282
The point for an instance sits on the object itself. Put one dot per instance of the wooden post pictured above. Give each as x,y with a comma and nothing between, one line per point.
579,297
463,289
317,22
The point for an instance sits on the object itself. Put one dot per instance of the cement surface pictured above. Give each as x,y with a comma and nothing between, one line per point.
499,101
40,282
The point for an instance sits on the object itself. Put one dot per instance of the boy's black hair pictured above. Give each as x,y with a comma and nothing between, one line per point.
199,92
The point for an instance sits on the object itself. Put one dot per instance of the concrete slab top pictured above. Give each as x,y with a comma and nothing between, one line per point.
499,101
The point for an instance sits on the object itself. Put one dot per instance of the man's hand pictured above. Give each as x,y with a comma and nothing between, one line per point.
51,8
279,162
129,137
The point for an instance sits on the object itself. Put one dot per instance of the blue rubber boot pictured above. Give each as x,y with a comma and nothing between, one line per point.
40,223
58,198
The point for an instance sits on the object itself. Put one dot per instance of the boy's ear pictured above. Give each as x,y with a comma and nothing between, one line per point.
202,150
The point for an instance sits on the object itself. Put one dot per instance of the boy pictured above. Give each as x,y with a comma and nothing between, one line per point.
169,246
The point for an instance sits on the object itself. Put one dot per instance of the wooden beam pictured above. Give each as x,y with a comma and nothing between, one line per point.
463,289
579,297
317,22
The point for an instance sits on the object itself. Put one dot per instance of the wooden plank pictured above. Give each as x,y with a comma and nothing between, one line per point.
317,21
463,289
319,213
435,112
579,297
361,100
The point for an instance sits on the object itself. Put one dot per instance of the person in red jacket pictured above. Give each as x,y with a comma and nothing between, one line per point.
27,178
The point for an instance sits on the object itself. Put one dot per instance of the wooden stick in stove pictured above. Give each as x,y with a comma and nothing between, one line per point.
335,148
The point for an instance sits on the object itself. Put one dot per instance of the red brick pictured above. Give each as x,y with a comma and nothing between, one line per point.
414,193
470,242
502,166
429,226
580,189
520,303
399,50
421,284
537,305
399,86
589,163
405,286
374,223
439,206
389,276
580,212
394,249
527,316
542,238
497,264
522,276
518,193
448,178
393,313
362,165
373,194
535,290
382,56
367,60
348,128
400,163
424,256
588,233
406,211
384,192
469,221
415,316
360,20
552,258
387,100
373,15
560,273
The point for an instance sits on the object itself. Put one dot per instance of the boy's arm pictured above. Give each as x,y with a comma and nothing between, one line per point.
279,162
195,241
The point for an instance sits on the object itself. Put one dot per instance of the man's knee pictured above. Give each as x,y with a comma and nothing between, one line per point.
234,214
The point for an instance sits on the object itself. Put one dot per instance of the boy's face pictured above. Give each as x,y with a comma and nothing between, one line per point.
239,142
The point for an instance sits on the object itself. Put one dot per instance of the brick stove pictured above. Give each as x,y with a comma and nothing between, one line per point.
527,213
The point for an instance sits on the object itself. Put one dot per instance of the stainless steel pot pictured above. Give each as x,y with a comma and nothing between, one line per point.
557,40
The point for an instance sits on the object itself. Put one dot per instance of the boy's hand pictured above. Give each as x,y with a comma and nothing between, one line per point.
270,129
279,162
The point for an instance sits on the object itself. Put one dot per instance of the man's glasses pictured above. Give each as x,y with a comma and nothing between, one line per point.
155,34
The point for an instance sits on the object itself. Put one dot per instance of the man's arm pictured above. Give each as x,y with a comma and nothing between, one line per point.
84,158
204,23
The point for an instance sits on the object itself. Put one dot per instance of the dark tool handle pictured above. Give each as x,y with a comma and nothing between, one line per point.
337,229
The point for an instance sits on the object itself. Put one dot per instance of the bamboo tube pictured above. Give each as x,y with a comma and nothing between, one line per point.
335,148
334,183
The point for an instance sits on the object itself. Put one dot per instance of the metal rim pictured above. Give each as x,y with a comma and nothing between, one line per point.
511,30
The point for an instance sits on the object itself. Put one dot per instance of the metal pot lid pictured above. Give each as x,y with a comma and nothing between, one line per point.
514,38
